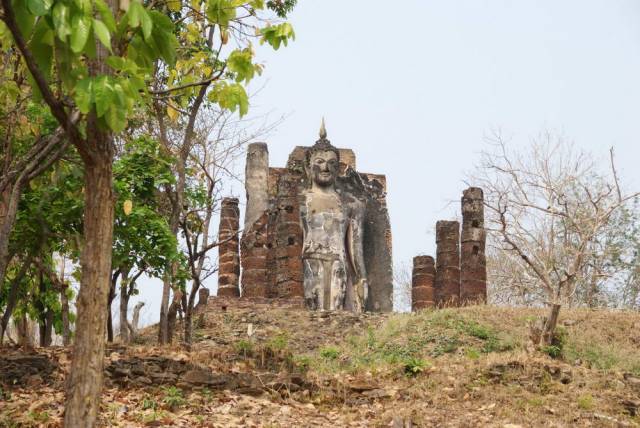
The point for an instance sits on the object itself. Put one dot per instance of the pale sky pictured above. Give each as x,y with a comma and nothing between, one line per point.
413,87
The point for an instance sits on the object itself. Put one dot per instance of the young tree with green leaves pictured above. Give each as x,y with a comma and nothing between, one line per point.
143,243
91,62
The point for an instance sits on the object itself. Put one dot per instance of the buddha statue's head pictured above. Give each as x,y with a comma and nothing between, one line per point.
322,161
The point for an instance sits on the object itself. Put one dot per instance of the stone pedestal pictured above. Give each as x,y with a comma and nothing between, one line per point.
422,283
473,263
447,279
229,249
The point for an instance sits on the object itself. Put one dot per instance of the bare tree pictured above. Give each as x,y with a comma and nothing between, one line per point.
547,206
402,287
222,140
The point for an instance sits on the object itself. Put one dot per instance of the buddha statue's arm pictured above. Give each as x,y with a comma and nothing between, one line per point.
356,256
356,251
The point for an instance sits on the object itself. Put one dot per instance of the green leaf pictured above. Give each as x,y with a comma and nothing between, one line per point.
104,96
106,14
277,35
80,29
102,33
83,95
221,12
135,14
231,97
239,62
41,46
85,6
116,119
39,7
147,23
61,21
24,17
163,38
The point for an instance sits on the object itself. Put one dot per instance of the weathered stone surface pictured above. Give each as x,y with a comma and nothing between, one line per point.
447,277
21,369
473,263
335,275
422,283
254,254
229,249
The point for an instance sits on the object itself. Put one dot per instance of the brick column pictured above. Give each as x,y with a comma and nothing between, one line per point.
447,280
473,263
422,278
229,249
254,237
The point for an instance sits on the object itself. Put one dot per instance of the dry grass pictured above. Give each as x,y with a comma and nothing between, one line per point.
452,367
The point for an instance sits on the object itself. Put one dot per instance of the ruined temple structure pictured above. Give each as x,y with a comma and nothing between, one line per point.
447,280
473,263
422,283
460,274
316,230
228,249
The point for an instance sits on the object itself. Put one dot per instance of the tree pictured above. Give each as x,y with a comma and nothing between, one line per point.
143,243
90,62
221,139
548,207
48,221
402,287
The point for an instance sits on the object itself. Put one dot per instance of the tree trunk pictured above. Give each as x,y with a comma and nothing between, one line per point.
163,325
45,315
64,313
13,297
135,319
24,332
172,314
124,306
112,295
86,374
8,213
550,324
188,310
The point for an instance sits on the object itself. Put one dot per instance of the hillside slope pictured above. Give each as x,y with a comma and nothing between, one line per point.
258,364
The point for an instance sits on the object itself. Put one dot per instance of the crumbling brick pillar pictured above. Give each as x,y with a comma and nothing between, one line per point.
288,240
229,249
422,279
473,262
254,238
447,280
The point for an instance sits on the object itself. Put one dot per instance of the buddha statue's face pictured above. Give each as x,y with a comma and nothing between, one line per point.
324,168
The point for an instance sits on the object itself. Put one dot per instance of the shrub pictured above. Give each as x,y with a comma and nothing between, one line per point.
149,403
414,366
585,402
244,346
173,397
278,342
330,353
552,351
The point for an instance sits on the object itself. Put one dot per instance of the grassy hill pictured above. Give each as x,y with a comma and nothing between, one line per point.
279,366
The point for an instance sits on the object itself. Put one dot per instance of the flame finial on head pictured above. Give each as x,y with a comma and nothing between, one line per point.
322,145
323,130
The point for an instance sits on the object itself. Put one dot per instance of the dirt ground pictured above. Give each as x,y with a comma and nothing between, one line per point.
277,365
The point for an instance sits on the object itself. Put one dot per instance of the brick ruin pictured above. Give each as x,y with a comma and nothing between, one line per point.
460,274
271,244
473,262
447,281
228,249
422,278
